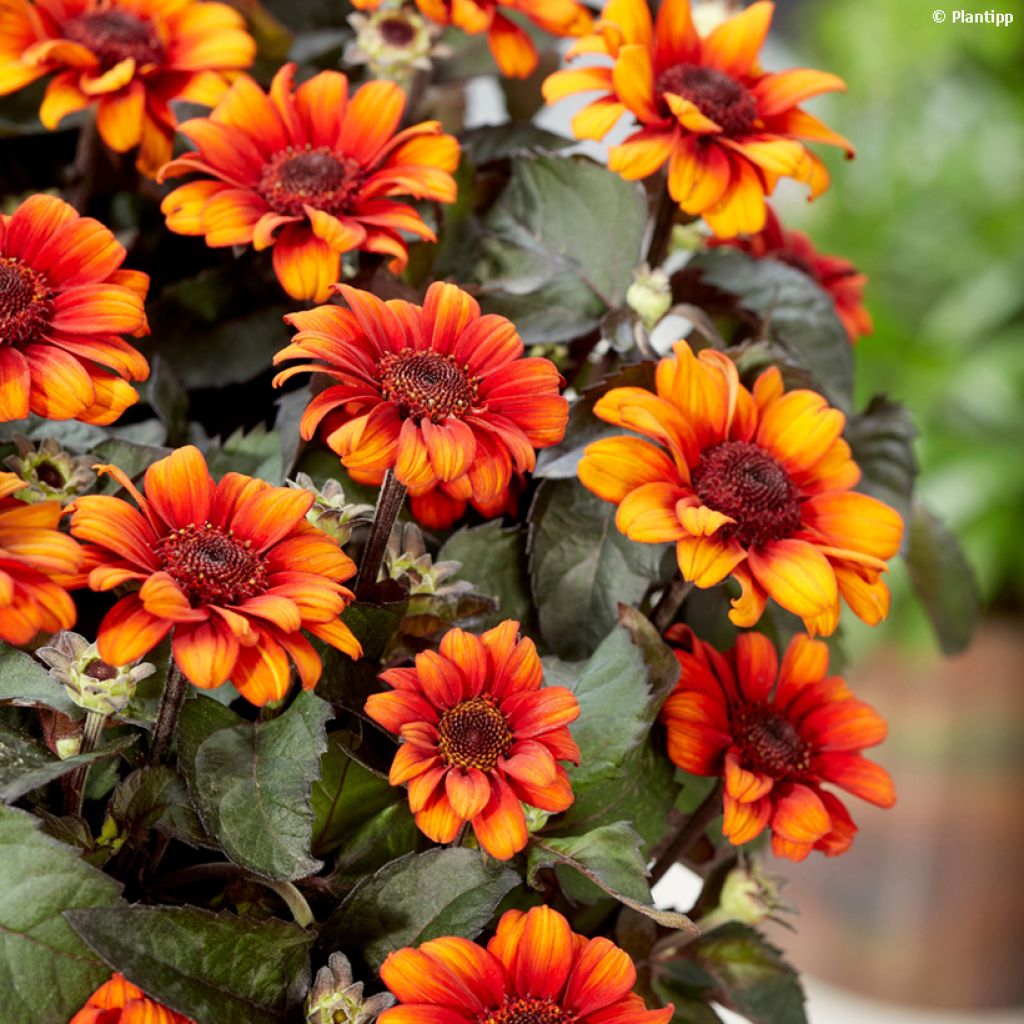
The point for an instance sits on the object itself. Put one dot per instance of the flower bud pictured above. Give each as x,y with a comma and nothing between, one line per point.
90,682
407,556
748,896
650,295
49,472
336,999
330,512
394,42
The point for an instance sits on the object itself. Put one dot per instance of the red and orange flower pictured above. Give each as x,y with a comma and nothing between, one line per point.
37,564
839,277
312,173
776,736
118,1001
438,393
64,302
727,129
511,47
234,569
756,485
535,970
480,734
440,508
129,58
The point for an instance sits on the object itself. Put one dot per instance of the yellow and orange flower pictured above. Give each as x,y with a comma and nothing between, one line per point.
37,564
776,736
535,970
756,485
511,47
438,393
727,129
64,302
129,58
118,1001
480,734
234,569
839,277
312,173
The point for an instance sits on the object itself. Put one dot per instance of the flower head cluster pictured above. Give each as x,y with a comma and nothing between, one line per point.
727,129
233,568
777,735
480,736
118,1001
750,484
64,302
129,58
511,47
312,172
535,970
438,393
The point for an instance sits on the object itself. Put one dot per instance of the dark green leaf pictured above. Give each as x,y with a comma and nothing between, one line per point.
422,896
882,440
581,567
167,396
251,783
375,624
46,971
129,456
545,260
500,141
24,682
156,798
211,967
943,579
257,453
388,834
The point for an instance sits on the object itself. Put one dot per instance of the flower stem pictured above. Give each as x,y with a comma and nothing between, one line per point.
389,501
293,899
669,603
75,790
664,221
85,168
690,833
167,716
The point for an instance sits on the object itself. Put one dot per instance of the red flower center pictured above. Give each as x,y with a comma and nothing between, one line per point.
529,1011
211,565
25,305
316,177
474,734
427,384
716,94
396,31
769,742
742,481
114,36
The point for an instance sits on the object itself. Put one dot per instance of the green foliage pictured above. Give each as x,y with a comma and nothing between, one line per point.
26,683
881,439
156,798
211,967
46,971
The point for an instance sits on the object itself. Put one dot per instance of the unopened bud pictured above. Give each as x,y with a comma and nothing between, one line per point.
394,43
89,681
748,896
49,472
407,558
330,511
336,999
650,295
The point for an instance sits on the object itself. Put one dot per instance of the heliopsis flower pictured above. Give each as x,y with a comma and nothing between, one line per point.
776,736
438,393
727,129
535,970
234,569
511,47
446,504
64,303
129,58
37,563
479,734
312,173
118,1001
839,277
756,485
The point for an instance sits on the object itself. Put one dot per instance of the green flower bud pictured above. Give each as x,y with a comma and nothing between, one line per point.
331,512
748,896
336,999
89,681
395,42
407,557
650,295
49,472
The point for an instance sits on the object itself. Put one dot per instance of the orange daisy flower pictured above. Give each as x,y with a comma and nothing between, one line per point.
727,129
64,301
118,1001
839,277
438,393
442,507
756,485
315,164
129,58
234,569
511,47
480,734
776,736
535,970
37,563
